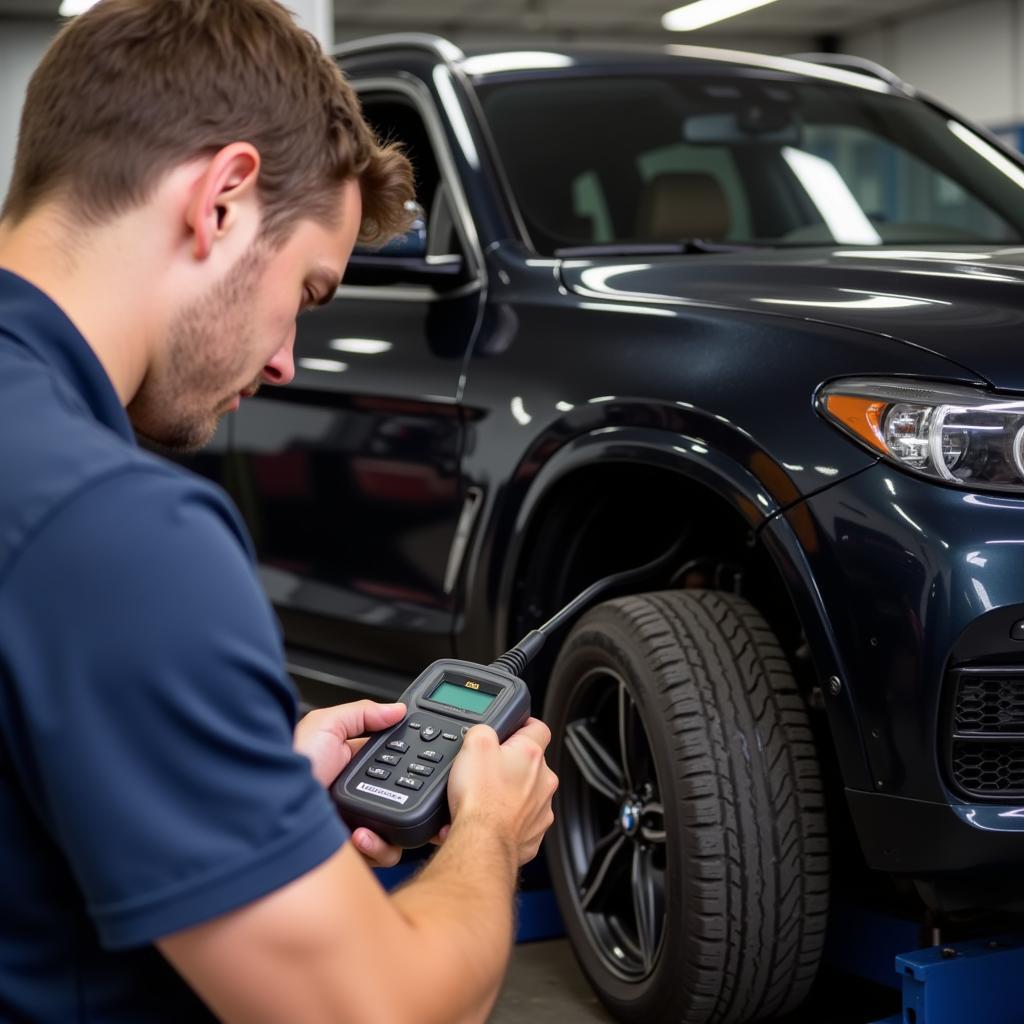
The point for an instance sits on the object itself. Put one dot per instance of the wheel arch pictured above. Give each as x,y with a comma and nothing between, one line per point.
568,532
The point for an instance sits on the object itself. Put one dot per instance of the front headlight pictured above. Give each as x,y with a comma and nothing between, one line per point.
955,434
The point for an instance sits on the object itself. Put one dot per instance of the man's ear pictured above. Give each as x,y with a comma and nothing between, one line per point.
222,196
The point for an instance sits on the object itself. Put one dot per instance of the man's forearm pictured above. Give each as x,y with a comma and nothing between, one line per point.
462,903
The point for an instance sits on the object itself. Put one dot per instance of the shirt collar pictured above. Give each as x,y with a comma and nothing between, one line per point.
30,317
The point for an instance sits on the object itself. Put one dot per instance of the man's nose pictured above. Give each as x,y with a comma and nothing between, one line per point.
280,368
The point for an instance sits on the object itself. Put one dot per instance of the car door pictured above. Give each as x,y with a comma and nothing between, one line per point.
349,477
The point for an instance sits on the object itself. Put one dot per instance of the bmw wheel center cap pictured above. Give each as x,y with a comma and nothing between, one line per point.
629,818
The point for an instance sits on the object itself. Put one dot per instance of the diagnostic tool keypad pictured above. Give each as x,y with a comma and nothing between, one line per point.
416,749
397,784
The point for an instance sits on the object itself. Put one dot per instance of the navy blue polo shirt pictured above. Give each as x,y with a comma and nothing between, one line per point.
147,777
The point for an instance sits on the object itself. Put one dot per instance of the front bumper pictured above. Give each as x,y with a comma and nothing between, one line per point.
900,581
963,856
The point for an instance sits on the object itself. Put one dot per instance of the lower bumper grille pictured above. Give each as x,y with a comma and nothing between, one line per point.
989,769
987,748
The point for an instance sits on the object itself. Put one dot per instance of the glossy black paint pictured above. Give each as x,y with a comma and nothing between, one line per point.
361,484
960,302
351,481
909,579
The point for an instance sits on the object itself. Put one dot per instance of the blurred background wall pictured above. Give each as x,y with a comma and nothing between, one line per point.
968,53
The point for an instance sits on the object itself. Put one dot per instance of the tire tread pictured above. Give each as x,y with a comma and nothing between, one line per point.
755,846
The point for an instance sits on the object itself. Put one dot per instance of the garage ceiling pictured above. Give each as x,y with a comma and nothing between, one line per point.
600,19
603,18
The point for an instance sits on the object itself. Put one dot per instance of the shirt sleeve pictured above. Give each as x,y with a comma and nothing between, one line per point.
151,717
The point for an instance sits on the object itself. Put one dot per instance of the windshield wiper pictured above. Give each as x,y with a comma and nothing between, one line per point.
684,246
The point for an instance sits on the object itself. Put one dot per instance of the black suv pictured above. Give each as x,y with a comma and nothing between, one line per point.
763,313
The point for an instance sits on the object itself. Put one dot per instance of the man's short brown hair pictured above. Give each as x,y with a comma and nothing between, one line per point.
133,88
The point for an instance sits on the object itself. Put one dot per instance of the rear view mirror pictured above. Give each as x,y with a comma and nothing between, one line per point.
755,123
411,245
408,259
377,268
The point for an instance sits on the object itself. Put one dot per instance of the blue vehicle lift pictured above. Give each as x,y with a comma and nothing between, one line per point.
976,982
979,981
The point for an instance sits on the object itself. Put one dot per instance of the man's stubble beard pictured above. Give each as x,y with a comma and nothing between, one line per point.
180,403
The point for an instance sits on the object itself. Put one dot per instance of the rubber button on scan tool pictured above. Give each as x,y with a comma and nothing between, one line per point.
429,732
391,759
449,736
431,755
420,769
400,745
404,780
378,773
415,725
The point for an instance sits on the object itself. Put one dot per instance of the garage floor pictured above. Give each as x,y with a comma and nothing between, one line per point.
545,986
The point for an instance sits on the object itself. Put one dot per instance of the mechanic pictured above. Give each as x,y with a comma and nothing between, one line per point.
189,174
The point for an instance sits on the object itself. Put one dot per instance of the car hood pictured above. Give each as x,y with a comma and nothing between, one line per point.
965,303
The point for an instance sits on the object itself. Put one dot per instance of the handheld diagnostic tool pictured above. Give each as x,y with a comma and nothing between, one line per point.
397,784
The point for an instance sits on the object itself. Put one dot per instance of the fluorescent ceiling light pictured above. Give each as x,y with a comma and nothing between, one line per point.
835,202
707,12
69,8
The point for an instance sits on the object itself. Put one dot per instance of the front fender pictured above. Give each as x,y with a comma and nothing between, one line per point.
690,456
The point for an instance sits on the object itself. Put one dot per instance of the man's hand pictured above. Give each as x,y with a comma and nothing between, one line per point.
330,738
311,949
508,786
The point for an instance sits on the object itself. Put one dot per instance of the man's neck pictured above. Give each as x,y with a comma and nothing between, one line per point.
92,275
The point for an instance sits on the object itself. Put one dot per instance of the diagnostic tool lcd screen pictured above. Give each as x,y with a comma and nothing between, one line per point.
462,697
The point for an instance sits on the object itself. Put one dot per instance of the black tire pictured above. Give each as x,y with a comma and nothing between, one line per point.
684,699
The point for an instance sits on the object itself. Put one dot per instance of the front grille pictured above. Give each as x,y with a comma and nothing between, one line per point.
987,738
987,703
989,769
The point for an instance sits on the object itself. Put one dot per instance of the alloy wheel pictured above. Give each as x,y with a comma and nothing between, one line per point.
613,824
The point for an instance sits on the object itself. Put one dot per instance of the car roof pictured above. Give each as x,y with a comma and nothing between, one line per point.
484,64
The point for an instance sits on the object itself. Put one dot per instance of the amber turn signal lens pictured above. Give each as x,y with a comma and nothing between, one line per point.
863,416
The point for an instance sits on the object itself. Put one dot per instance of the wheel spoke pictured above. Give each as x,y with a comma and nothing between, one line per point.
596,765
626,725
648,902
652,822
606,864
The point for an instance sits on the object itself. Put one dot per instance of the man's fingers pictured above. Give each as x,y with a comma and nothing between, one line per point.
536,731
379,853
482,735
441,836
349,720
381,716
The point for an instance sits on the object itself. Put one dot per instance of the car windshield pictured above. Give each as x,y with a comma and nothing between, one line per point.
625,160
